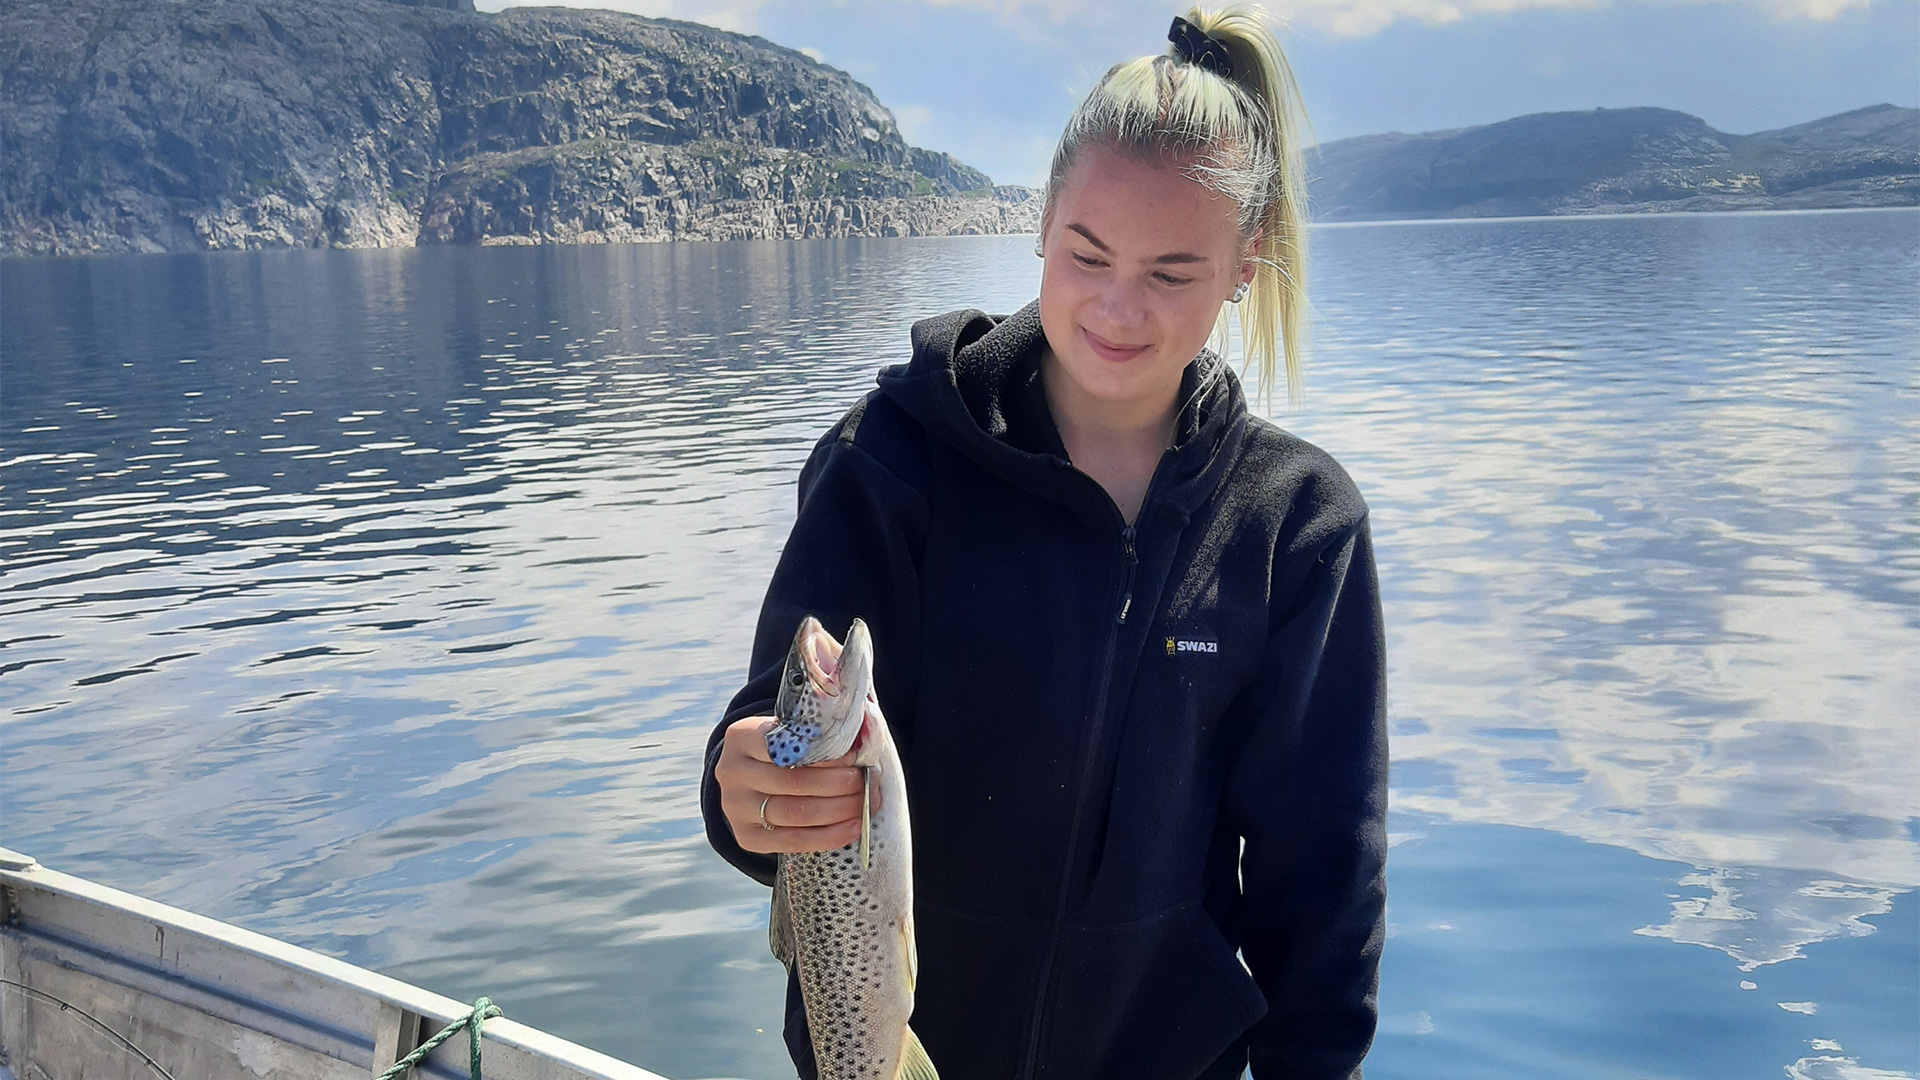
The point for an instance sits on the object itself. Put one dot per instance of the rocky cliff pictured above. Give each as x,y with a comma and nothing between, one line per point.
1620,161
167,125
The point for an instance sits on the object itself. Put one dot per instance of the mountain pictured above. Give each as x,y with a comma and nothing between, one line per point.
179,125
1619,161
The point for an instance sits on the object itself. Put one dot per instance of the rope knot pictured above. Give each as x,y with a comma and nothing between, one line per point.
483,1010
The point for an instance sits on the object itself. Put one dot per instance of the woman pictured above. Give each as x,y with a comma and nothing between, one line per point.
1129,638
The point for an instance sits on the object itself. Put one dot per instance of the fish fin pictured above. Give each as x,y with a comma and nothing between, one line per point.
914,1064
780,917
910,951
866,818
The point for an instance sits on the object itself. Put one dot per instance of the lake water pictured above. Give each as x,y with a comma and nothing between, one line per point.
382,601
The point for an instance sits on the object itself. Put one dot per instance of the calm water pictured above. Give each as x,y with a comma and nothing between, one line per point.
382,601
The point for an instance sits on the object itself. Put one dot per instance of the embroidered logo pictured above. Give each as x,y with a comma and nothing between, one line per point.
1183,646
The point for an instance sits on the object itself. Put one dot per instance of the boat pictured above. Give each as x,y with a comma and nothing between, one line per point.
99,984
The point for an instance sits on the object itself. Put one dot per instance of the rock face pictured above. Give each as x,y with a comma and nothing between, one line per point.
1619,161
139,125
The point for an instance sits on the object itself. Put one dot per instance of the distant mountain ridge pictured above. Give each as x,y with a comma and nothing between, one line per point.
128,125
1639,160
135,125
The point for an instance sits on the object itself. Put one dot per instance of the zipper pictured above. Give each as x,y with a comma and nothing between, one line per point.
1130,562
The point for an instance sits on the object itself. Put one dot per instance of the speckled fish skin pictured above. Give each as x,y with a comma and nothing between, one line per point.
847,929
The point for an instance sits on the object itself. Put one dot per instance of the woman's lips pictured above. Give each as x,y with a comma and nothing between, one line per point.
1108,351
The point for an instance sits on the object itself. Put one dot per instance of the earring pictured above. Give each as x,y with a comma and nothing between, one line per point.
1037,249
1240,292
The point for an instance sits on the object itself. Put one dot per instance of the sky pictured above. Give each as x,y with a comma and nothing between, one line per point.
992,81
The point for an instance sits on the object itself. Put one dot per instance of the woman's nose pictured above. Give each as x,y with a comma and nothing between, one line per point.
1122,303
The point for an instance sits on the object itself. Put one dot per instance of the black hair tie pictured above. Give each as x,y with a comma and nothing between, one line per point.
1193,45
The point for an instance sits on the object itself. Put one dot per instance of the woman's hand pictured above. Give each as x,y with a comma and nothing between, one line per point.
810,808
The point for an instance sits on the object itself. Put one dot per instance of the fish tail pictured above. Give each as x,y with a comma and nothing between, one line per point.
914,1064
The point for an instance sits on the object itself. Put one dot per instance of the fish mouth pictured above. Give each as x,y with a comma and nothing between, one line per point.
819,656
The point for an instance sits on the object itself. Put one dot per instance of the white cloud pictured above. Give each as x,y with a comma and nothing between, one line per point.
1364,18
1339,18
913,120
1839,1068
739,16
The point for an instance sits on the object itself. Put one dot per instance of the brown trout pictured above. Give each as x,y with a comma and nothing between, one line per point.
844,919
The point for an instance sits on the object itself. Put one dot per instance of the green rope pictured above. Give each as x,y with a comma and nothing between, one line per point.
483,1009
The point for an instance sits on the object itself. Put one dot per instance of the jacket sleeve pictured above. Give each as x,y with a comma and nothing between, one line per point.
1308,796
852,553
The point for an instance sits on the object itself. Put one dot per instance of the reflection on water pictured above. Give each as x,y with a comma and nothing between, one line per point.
407,584
1654,552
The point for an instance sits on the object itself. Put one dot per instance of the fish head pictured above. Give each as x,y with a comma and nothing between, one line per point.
820,707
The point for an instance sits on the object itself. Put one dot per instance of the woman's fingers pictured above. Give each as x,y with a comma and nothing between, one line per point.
799,811
744,764
788,841
767,779
747,737
811,808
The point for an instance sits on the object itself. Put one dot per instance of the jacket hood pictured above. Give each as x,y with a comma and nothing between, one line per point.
973,381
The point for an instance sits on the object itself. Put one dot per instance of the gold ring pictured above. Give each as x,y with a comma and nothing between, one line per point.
764,823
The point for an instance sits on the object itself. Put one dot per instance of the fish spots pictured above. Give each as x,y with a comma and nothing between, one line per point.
788,747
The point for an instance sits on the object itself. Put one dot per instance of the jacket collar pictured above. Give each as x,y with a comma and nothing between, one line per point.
974,381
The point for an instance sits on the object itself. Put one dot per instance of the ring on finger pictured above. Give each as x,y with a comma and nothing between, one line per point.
764,823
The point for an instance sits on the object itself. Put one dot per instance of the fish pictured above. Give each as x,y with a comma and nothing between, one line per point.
843,919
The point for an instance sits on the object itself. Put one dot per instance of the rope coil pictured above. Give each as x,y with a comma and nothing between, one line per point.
483,1009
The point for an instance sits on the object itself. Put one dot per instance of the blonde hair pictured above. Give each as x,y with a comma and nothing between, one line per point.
1240,136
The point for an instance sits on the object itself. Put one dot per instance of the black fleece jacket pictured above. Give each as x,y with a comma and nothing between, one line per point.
1129,751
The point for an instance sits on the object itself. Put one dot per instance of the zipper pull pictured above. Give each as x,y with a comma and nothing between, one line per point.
1133,560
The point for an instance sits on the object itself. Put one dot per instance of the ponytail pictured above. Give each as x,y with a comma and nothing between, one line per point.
1239,135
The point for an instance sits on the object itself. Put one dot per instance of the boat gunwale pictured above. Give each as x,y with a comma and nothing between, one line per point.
21,873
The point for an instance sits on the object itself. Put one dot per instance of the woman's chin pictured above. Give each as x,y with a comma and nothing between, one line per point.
1108,380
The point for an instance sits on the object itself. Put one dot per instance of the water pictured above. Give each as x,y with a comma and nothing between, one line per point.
382,601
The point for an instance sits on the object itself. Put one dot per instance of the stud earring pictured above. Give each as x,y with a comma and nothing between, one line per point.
1037,249
1240,292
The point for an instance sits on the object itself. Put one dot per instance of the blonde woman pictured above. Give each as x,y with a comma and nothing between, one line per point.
1129,634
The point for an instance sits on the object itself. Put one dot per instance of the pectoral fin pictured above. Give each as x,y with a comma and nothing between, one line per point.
779,917
913,1061
866,817
911,952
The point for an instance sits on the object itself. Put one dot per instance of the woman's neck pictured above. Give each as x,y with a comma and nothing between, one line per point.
1117,443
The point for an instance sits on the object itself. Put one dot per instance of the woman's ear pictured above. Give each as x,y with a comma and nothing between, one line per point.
1248,252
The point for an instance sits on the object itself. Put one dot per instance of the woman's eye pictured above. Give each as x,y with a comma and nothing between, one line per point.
1171,280
1084,261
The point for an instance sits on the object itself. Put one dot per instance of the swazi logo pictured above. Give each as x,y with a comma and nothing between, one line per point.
1180,646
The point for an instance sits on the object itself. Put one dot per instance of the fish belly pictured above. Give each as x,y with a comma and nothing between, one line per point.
851,939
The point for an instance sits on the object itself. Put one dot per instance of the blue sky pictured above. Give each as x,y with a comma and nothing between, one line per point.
992,81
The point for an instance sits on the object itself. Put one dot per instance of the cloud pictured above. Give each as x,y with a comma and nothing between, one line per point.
1336,18
739,16
1839,1068
914,121
1364,18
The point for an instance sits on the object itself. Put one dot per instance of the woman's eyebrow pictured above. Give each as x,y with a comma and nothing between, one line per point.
1176,257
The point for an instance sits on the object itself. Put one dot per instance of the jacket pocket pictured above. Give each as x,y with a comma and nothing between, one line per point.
1158,999
978,981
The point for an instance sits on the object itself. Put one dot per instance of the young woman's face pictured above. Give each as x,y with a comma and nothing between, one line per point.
1139,259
